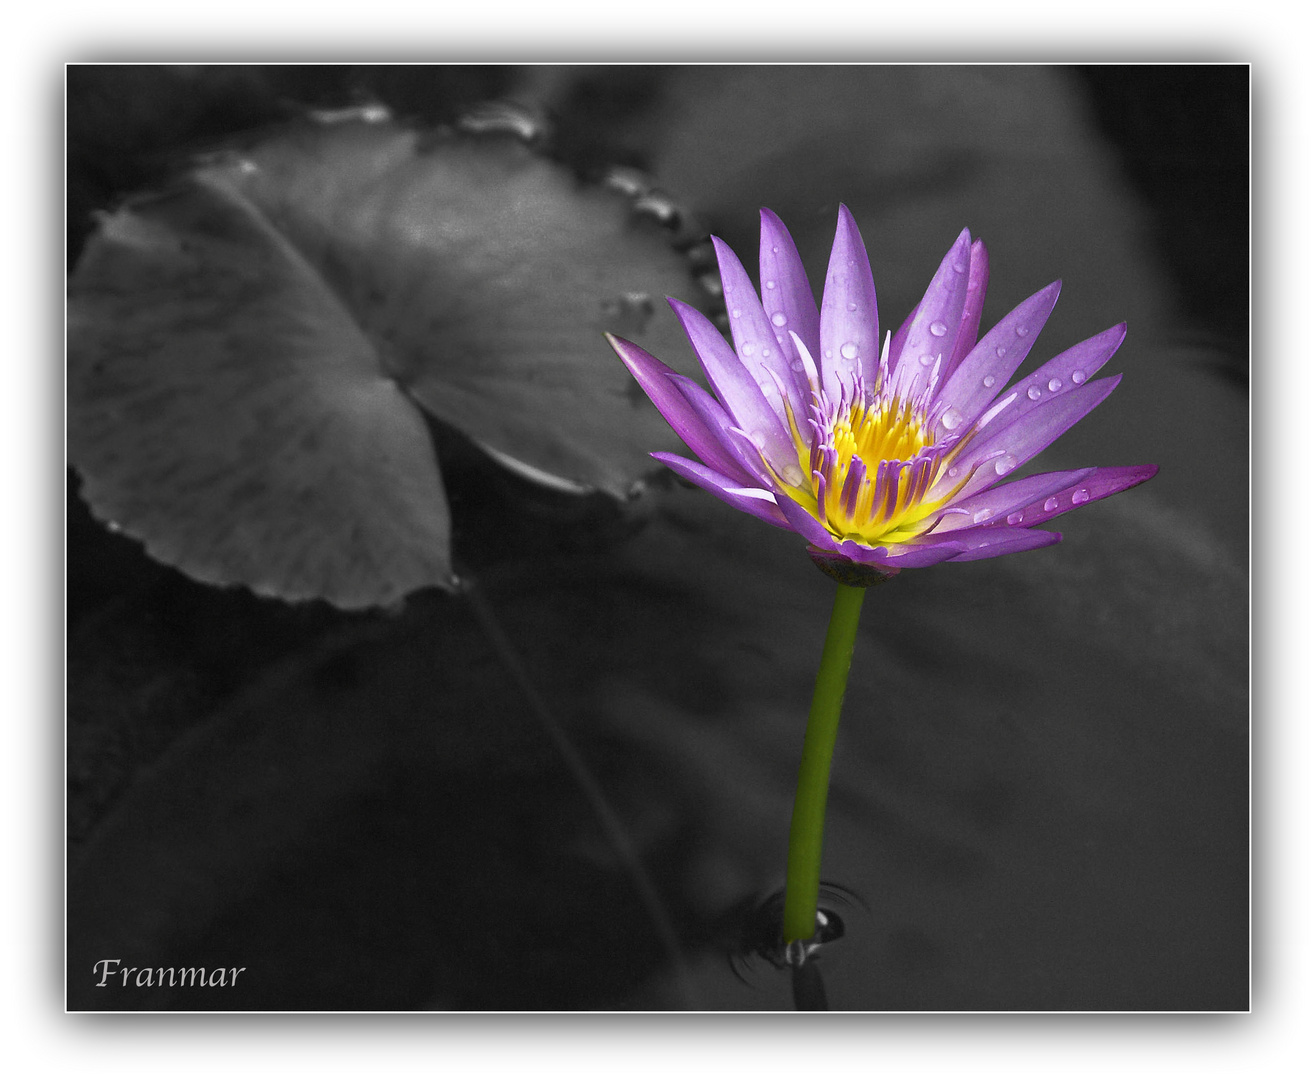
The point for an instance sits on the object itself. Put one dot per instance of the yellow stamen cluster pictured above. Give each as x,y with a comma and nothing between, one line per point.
866,479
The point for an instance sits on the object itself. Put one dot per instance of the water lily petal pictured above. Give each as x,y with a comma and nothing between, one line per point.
1062,374
751,500
755,337
1025,437
738,391
1101,482
848,330
988,367
655,378
988,543
973,301
1001,504
789,303
934,328
731,454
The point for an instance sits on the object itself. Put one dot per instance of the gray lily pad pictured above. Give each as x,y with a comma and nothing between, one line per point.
247,352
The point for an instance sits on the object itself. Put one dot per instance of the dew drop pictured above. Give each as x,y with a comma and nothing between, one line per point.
989,381
954,470
792,474
797,364
769,284
1078,378
1005,463
767,352
851,306
779,318
951,418
926,359
1021,330
981,516
1054,385
748,348
775,249
959,267
1000,350
827,353
1034,392
1015,518
1050,504
937,329
735,313
1080,496
849,350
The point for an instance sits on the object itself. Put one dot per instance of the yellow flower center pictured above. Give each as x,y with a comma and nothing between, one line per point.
868,469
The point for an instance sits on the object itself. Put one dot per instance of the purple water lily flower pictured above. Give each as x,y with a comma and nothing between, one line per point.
882,455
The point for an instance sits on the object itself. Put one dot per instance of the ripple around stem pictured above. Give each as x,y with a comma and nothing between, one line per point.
760,959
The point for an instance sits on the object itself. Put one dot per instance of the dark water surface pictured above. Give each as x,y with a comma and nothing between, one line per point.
1041,790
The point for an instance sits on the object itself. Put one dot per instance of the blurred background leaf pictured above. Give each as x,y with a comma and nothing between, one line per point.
247,350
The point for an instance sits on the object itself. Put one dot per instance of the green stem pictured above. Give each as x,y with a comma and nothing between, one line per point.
804,860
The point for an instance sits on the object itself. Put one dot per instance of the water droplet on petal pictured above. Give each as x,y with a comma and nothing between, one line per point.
1080,496
989,381
1005,463
849,350
775,249
769,284
779,318
735,313
926,359
767,352
748,348
978,518
827,353
951,418
954,470
937,329
1000,350
1015,518
959,267
1078,378
1050,504
756,437
1034,392
1054,385
1021,330
792,474
851,306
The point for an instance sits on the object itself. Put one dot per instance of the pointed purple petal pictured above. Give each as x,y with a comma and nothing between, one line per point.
848,332
756,341
1110,480
738,391
973,301
654,378
988,367
790,295
935,324
1027,436
1062,374
806,524
751,500
1003,505
728,454
988,543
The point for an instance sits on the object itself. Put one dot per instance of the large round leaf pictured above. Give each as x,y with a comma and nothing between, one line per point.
246,352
